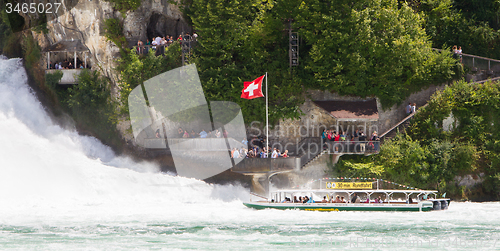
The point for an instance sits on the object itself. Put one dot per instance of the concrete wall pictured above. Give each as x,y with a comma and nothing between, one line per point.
68,75
389,117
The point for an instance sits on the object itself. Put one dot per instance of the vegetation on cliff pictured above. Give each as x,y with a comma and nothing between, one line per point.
363,48
431,154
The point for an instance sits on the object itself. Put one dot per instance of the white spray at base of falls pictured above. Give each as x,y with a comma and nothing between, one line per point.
49,171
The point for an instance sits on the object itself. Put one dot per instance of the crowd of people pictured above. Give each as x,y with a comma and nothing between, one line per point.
203,134
343,139
66,64
256,150
338,199
161,41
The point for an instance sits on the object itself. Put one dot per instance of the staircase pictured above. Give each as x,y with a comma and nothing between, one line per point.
309,162
399,127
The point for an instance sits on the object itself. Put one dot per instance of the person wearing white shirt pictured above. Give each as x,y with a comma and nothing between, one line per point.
274,155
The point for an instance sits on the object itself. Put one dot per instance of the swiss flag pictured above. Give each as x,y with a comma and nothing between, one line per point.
252,89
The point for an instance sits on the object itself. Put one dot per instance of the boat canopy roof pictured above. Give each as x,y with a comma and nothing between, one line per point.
388,191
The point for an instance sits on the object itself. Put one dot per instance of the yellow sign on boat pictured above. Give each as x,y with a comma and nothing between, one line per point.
348,185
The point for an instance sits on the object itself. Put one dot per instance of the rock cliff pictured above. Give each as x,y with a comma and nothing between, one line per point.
84,19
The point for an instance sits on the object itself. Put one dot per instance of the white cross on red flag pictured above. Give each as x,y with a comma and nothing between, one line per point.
252,89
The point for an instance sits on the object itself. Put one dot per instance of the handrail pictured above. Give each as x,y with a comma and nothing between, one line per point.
412,114
486,80
401,122
474,64
473,56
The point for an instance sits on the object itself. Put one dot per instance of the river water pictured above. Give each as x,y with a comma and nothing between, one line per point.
63,191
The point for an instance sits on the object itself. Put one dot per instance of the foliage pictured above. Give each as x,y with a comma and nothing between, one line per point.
5,30
40,24
364,48
126,5
52,79
472,24
369,48
432,154
356,166
89,93
89,103
136,69
31,52
114,33
12,46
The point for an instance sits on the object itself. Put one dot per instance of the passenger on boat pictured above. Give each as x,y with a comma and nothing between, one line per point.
295,199
355,199
337,199
305,199
380,200
300,199
324,200
410,200
342,199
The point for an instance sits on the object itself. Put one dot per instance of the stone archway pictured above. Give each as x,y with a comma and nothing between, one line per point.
161,25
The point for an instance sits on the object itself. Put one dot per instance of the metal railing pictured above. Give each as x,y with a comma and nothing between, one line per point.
353,147
144,49
476,62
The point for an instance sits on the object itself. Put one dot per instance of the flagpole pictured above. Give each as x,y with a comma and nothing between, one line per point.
267,122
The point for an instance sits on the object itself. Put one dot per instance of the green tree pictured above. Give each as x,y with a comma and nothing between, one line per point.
471,24
239,41
370,48
90,104
135,69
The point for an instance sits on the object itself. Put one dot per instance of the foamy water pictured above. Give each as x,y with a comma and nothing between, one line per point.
63,191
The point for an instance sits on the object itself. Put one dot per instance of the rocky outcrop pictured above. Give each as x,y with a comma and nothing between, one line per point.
84,19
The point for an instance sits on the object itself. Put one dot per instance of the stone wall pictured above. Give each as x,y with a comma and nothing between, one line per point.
389,117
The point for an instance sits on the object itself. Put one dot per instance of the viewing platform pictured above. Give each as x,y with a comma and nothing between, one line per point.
72,68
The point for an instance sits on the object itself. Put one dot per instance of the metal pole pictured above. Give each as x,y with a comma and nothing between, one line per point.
75,60
182,49
48,60
267,120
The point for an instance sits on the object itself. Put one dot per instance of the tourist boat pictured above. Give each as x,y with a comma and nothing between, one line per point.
390,199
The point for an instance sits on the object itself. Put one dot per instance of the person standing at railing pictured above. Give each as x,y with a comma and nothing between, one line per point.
362,144
375,140
139,46
455,52
324,137
459,52
408,109
413,108
203,134
285,154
